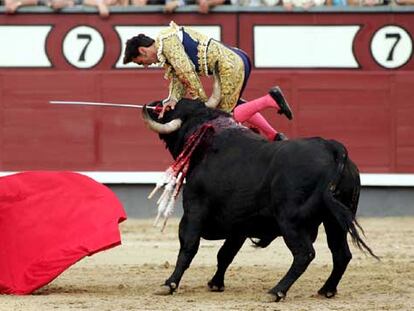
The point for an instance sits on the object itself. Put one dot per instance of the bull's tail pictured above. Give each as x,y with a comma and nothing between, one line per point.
344,215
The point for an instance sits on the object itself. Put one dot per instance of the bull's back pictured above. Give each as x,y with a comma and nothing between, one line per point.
241,175
245,167
244,180
303,162
235,164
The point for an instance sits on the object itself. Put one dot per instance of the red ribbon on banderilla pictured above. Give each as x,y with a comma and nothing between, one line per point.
173,178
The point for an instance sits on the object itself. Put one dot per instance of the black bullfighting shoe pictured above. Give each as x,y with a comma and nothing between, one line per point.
280,136
277,95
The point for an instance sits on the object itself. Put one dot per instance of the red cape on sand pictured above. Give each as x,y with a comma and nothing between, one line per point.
49,221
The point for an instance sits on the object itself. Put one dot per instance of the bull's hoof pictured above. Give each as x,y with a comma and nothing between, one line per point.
215,288
276,297
166,289
327,293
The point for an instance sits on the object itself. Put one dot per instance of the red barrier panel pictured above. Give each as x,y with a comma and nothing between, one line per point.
351,81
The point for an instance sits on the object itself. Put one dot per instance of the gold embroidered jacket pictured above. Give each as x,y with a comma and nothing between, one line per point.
207,57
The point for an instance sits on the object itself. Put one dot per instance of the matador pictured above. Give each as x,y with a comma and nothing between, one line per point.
186,55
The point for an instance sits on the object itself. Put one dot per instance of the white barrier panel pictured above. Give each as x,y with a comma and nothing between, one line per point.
310,46
127,32
24,46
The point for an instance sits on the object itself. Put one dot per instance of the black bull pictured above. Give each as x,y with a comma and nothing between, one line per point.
241,186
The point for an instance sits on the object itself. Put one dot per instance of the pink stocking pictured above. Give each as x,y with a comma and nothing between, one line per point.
265,128
244,111
250,112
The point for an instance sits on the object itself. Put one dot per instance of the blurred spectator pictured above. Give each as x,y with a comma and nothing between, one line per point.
12,5
271,2
59,4
103,5
253,3
144,2
171,5
204,6
356,2
404,2
147,2
367,2
304,4
338,2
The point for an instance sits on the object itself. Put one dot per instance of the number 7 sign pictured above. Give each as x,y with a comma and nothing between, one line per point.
391,47
83,47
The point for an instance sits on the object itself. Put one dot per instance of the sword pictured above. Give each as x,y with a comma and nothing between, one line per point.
61,102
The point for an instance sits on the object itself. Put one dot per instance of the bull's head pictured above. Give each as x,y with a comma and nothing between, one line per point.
178,123
158,126
190,112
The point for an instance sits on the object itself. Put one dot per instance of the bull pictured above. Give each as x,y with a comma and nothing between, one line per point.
241,186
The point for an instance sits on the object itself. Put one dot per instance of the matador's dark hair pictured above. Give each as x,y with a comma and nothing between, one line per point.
132,45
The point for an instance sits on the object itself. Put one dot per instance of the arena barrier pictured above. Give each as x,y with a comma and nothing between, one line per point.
347,73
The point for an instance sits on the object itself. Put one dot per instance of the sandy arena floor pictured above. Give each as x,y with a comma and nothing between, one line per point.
126,277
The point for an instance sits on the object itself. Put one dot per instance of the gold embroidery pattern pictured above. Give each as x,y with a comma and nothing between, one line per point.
177,89
231,71
212,55
184,69
165,33
202,59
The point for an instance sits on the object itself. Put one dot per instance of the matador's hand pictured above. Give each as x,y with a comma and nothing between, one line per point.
167,105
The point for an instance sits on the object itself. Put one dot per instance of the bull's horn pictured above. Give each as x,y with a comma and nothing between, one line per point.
215,97
160,128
